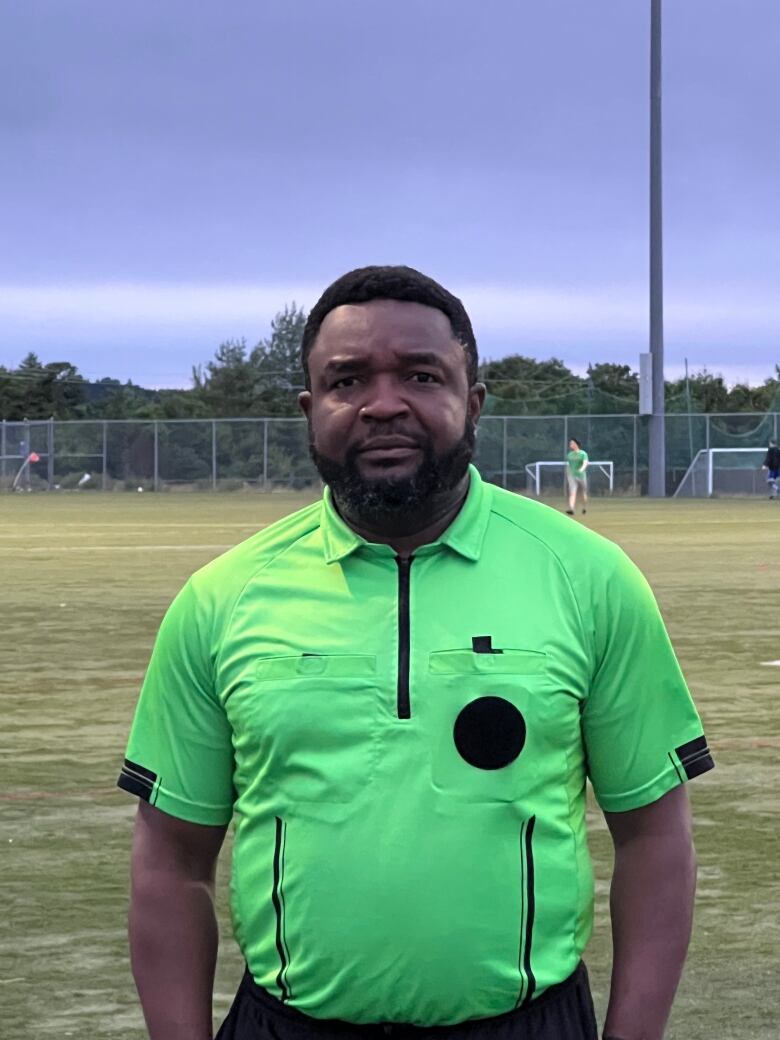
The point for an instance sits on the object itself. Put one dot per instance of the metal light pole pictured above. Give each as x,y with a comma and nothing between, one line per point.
657,453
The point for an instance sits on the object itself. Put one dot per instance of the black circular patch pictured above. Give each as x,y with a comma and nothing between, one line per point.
489,733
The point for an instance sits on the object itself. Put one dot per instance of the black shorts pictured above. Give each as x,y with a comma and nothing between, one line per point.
563,1012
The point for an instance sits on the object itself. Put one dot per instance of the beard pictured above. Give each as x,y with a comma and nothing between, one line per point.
400,504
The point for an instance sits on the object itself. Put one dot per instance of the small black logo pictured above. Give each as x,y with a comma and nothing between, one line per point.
489,733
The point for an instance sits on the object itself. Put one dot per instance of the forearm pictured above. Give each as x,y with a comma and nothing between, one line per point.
173,951
651,904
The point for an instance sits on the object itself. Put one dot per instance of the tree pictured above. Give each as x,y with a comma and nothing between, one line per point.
263,382
522,385
38,391
620,381
228,387
708,393
276,361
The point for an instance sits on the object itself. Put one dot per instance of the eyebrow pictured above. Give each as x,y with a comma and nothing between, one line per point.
356,364
422,357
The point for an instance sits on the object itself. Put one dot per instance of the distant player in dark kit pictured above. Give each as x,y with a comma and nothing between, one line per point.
771,464
396,695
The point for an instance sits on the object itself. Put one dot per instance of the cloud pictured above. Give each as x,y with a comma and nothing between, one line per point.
147,305
494,308
729,328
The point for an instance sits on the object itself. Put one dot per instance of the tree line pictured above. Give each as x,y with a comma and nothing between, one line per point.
264,380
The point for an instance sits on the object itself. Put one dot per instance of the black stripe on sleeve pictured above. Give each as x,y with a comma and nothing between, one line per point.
137,780
695,757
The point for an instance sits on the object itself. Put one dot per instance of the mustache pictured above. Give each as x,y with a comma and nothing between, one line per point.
381,436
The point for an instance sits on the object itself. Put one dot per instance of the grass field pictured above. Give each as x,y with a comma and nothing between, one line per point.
85,580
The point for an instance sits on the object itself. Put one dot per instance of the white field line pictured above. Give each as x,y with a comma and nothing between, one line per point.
119,525
771,664
57,550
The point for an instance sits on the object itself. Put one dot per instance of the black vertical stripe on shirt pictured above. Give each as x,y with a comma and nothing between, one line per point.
530,901
275,897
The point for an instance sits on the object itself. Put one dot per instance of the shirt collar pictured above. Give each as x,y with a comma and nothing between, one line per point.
464,536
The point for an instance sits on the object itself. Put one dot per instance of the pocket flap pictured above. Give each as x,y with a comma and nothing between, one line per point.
466,662
340,666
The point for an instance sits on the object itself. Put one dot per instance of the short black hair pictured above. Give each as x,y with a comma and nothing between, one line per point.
391,283
577,442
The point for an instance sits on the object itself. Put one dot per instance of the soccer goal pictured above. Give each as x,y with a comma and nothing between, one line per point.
542,476
724,471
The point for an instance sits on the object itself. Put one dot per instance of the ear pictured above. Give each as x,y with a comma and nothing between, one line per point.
476,401
304,402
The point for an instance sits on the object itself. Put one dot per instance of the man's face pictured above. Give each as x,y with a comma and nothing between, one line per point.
391,413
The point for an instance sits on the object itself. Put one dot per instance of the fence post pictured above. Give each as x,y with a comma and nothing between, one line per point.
2,452
775,427
156,455
265,454
50,451
503,457
27,450
707,432
636,418
565,450
105,455
213,455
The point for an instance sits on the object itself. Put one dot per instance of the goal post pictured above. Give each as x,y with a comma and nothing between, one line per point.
724,471
535,471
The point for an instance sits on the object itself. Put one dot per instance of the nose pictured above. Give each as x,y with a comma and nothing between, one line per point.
384,401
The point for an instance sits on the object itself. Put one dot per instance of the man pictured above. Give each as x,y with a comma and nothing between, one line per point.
772,466
576,467
396,694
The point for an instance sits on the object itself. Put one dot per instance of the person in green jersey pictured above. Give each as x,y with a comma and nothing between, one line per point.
396,695
576,474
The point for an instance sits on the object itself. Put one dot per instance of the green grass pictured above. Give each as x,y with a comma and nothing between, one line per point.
85,580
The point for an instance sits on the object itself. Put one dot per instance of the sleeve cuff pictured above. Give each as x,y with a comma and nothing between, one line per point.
146,785
682,766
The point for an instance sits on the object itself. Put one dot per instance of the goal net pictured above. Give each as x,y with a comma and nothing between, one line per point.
545,478
724,471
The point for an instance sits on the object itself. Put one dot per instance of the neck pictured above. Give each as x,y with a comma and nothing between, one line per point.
406,534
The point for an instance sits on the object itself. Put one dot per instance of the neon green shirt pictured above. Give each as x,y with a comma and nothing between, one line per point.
403,749
576,462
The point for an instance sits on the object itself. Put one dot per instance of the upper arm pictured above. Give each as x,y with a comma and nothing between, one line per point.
180,751
641,730
668,818
165,843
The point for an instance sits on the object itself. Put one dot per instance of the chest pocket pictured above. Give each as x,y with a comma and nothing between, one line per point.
314,722
487,722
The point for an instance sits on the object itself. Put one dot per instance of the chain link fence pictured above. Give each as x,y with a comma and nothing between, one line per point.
264,454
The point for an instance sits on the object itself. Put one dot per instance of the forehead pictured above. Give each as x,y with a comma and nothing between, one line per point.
385,328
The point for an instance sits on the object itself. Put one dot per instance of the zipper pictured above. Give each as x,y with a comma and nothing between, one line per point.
404,705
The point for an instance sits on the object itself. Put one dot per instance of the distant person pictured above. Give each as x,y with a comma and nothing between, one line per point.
577,465
396,695
772,466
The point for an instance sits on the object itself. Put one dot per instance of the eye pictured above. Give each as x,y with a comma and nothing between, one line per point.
424,377
345,383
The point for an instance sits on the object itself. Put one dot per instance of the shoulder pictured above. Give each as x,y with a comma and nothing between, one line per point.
576,547
221,581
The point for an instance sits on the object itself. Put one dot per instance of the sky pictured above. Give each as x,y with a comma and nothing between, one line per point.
173,174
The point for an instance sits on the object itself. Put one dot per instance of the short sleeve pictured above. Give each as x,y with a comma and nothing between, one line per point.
180,753
642,733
